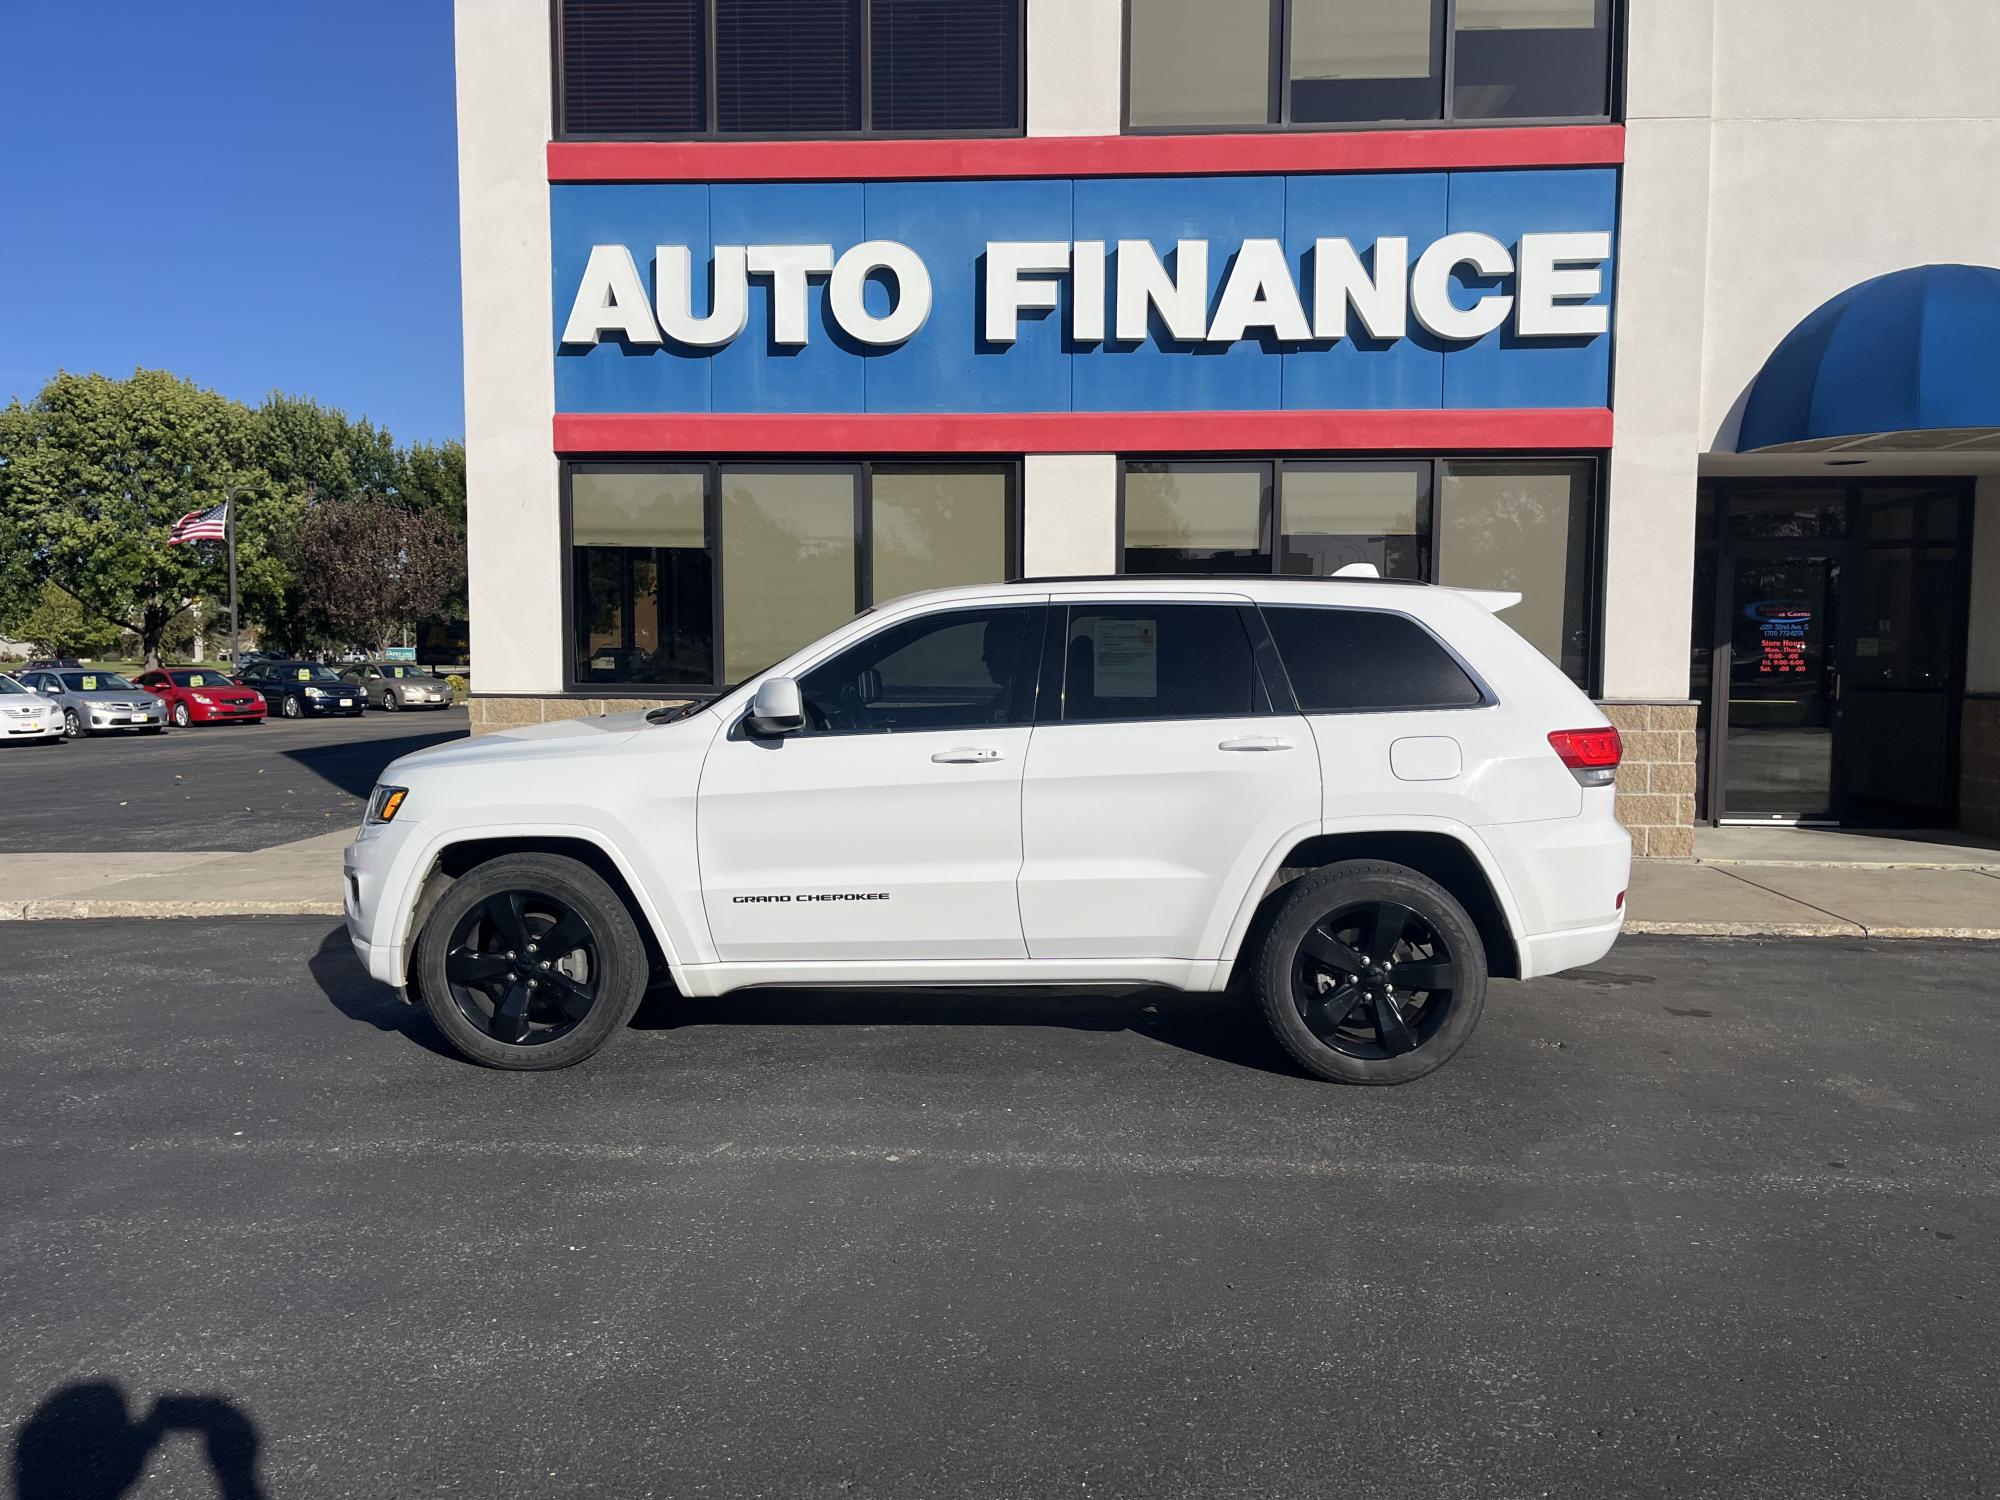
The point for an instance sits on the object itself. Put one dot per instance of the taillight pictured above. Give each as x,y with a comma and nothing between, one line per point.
1592,755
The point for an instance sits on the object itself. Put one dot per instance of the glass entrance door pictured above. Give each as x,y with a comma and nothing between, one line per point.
1780,756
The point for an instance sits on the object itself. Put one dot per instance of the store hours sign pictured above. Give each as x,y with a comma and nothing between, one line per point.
1488,289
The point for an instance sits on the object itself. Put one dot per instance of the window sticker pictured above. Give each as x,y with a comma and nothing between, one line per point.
89,684
304,674
195,679
1126,657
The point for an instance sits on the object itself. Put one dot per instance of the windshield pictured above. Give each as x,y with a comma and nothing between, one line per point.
9,685
396,671
299,671
96,682
200,679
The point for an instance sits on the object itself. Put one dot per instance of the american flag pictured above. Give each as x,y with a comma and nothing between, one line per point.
201,526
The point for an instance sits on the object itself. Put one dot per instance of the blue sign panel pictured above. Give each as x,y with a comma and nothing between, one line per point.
1372,291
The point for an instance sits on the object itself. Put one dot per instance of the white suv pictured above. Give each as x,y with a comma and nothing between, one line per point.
1349,800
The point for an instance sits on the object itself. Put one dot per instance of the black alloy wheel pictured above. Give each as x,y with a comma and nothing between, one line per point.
524,968
1374,980
1368,972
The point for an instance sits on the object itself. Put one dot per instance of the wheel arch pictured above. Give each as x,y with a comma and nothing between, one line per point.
1446,857
458,856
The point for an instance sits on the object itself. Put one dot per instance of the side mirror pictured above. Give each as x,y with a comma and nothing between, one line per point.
777,709
52,689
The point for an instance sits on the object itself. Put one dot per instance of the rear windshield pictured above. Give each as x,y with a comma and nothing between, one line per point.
96,682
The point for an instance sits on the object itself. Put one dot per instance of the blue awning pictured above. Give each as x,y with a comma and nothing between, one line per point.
1912,351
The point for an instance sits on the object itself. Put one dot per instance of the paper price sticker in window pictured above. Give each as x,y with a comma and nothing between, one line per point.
1125,655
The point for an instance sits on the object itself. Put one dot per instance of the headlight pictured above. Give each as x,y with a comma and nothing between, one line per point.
313,692
203,698
386,803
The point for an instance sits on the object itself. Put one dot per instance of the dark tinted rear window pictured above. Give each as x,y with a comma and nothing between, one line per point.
1355,660
1159,661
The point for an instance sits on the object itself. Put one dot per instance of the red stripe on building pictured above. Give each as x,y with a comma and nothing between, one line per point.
1083,432
1087,156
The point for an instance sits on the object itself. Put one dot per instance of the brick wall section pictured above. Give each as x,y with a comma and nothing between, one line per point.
1656,778
1979,765
489,714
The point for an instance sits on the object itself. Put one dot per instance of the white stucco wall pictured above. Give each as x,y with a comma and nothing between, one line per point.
1776,154
1075,66
511,473
1069,513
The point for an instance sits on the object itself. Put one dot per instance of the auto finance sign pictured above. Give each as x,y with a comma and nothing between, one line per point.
1406,290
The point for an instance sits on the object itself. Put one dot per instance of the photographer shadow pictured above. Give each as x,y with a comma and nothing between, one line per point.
83,1443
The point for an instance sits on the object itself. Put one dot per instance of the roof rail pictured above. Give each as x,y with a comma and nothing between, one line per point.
1217,578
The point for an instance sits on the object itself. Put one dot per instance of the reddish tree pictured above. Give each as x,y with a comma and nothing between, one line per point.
365,569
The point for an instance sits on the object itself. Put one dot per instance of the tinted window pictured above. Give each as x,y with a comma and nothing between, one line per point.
1354,660
633,67
961,670
97,682
945,65
1159,661
644,68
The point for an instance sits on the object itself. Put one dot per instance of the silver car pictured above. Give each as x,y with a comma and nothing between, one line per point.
398,684
94,702
28,716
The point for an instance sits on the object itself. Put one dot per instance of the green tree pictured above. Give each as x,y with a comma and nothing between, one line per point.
59,626
93,474
433,479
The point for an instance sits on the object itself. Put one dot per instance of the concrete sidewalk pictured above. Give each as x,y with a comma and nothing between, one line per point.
1795,885
299,879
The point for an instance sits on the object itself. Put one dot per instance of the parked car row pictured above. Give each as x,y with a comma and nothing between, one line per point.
64,700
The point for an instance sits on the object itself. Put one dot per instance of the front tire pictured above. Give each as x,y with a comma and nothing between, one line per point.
182,718
73,726
531,963
389,700
292,709
1370,973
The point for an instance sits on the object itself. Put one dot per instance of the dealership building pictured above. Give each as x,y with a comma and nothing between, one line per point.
1677,317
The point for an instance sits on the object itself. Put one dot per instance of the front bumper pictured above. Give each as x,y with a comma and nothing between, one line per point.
101,722
322,706
376,892
202,713
27,729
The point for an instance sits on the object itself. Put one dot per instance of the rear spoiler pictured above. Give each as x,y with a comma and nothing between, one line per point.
1492,600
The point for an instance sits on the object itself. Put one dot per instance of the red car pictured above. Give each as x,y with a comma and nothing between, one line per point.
195,695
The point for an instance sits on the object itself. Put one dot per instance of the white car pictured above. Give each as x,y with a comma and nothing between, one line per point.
26,715
1351,801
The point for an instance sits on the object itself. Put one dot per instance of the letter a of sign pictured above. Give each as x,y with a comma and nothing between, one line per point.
611,299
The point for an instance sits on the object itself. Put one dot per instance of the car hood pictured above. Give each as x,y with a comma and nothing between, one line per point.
529,742
112,695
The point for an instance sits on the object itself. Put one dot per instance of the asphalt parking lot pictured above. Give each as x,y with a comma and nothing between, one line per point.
214,786
1715,1219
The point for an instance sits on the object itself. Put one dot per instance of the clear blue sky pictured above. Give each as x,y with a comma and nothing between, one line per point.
255,194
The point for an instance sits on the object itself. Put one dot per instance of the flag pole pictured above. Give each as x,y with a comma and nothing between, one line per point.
229,531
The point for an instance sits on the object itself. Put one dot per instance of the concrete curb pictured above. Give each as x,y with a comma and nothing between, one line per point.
59,910
1808,930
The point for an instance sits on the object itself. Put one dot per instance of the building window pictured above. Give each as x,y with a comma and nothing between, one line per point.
1307,64
1525,525
697,576
652,69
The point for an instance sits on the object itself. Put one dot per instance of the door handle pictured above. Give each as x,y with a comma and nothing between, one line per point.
1256,742
966,755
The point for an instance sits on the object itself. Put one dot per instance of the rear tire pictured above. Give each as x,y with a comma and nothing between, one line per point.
505,1005
1370,973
